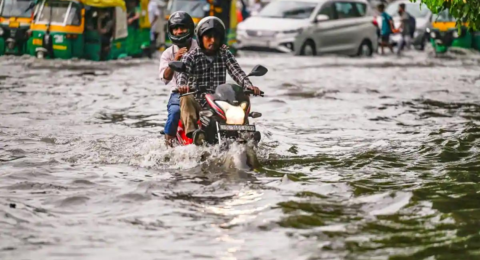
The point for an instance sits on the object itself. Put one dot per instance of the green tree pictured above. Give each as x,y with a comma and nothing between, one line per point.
463,10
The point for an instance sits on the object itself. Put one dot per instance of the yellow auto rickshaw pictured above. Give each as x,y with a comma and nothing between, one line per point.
86,29
445,34
15,19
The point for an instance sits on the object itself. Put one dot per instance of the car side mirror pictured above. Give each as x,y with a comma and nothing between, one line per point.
257,71
177,66
321,18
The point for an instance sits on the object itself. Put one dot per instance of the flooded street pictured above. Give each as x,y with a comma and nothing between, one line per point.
361,159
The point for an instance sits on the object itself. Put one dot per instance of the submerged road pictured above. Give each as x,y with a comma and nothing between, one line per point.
362,159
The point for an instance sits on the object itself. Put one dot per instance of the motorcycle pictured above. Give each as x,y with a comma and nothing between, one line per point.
225,113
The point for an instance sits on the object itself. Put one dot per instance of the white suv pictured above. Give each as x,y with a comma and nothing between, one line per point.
310,27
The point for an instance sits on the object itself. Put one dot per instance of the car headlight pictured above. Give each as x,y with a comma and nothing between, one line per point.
1,31
235,114
300,30
455,34
433,35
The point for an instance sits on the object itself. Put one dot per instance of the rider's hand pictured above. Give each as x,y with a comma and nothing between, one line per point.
256,91
183,89
180,53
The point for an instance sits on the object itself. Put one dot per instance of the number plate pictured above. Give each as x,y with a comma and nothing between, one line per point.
14,24
248,128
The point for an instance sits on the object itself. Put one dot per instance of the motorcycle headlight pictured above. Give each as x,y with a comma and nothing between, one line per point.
1,31
455,34
244,105
235,114
433,35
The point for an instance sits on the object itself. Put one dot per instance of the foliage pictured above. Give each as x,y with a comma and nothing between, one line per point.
463,10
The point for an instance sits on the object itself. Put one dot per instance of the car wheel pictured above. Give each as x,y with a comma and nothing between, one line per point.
365,49
308,49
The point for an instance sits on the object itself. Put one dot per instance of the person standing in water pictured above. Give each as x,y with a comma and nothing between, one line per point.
180,31
387,29
406,28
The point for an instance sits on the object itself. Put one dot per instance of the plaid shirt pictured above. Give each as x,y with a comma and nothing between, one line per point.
210,74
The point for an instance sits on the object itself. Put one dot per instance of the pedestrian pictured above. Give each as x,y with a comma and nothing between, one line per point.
405,28
244,10
387,29
256,8
161,24
153,17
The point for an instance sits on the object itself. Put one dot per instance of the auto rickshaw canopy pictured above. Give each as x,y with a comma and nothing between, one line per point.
105,3
99,3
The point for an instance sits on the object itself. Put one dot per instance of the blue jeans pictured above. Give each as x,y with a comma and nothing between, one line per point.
173,108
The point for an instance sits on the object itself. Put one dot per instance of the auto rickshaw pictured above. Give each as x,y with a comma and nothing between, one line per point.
444,34
15,19
226,10
86,29
139,30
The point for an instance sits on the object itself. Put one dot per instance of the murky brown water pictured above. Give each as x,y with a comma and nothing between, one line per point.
362,159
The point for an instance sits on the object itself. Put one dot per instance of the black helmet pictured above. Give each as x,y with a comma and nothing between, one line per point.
185,20
209,23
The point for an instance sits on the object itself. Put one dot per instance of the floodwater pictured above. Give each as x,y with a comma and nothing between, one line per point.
361,159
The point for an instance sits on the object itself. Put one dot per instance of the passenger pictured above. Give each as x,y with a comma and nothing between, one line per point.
105,25
208,66
180,30
133,14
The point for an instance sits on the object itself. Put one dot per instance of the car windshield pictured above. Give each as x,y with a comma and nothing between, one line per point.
53,12
414,9
192,7
15,8
443,16
288,9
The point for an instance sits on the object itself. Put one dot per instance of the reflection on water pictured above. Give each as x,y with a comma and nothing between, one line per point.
361,159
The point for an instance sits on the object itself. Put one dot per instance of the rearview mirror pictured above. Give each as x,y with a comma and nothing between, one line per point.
258,70
177,66
321,17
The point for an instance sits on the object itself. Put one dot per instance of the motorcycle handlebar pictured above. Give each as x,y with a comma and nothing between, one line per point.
248,92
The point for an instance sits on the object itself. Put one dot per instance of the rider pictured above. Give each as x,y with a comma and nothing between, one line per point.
207,65
180,30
